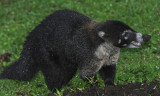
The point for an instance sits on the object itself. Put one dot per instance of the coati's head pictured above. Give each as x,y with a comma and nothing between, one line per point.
121,35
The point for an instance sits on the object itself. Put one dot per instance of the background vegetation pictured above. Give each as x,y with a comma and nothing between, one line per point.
19,17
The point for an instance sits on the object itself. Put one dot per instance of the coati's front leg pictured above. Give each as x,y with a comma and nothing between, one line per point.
108,71
108,74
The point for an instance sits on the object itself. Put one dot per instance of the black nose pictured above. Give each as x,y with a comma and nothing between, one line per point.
146,37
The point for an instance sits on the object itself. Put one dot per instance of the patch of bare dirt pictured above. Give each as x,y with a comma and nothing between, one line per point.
132,89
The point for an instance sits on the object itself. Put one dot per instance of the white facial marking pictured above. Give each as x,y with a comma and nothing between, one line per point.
124,45
125,38
127,31
119,41
132,46
123,33
139,37
101,33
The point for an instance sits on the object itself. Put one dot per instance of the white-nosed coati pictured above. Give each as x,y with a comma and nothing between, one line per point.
66,41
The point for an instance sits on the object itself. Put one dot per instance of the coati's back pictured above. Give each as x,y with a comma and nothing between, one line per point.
62,18
60,25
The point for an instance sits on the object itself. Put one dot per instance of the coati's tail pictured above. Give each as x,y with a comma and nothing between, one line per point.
23,69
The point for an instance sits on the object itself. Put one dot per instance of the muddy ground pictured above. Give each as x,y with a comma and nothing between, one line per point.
136,89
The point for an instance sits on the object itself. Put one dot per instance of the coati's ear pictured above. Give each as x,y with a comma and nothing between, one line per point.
101,34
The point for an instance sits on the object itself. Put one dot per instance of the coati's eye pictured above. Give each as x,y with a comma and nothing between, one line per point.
124,36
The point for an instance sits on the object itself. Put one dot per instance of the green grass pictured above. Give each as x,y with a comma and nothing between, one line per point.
19,17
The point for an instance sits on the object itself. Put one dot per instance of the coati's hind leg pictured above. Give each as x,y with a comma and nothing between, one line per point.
57,71
56,77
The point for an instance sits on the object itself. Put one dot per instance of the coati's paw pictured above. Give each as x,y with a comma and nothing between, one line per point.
109,82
